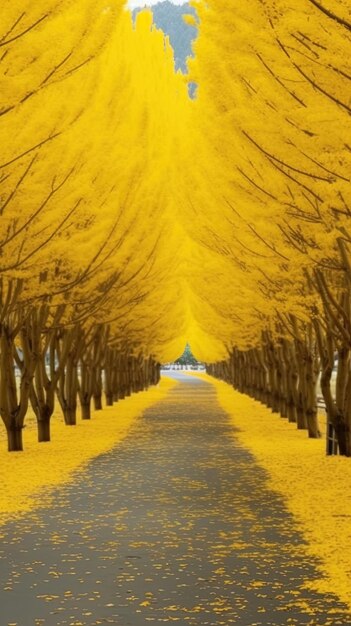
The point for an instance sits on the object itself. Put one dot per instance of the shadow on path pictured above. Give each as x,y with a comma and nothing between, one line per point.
176,524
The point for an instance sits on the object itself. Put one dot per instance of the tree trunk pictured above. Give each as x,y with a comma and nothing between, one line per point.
97,388
44,427
67,389
312,423
342,416
109,398
85,410
42,399
301,419
15,439
14,402
67,392
108,376
291,380
70,416
97,401
85,386
343,436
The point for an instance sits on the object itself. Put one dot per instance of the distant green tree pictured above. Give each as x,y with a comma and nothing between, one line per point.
187,357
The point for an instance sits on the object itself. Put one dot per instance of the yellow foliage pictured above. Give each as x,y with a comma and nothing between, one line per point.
271,182
172,219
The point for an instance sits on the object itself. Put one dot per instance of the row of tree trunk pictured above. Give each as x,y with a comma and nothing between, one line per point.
41,362
277,377
286,374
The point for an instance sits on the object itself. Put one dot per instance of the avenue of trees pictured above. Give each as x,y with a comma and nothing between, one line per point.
88,275
134,219
271,202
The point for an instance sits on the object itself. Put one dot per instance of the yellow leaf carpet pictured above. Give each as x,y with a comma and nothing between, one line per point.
176,523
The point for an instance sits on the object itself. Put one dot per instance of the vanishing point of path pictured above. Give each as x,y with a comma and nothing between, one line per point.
176,524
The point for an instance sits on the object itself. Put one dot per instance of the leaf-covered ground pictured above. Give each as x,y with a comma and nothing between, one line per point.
177,523
26,476
316,488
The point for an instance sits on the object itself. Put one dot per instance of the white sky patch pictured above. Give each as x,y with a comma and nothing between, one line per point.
133,4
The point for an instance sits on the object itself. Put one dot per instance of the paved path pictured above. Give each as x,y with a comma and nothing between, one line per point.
176,524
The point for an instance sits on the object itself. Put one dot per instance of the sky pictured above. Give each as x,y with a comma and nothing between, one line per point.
132,4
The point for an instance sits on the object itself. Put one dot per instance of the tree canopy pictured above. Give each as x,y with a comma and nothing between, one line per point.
135,219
